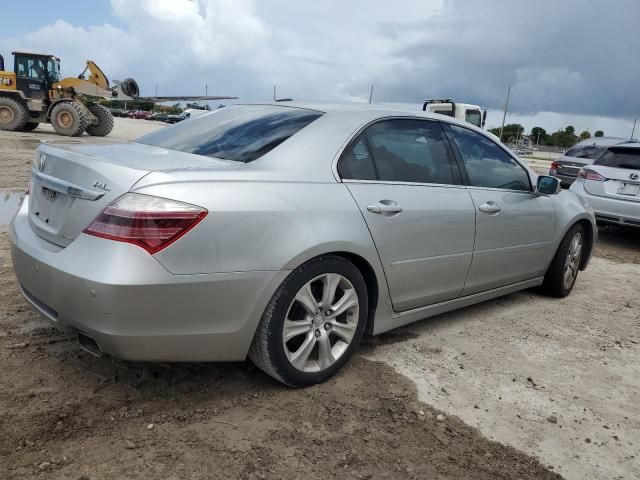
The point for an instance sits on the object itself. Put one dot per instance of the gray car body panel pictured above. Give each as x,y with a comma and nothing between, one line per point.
202,297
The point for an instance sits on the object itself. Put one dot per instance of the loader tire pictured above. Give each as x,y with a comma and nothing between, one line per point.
130,88
29,126
70,119
13,115
104,123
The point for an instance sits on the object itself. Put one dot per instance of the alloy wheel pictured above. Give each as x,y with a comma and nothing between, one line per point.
572,262
321,322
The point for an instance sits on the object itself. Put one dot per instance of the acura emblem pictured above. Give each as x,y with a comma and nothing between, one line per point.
634,176
41,162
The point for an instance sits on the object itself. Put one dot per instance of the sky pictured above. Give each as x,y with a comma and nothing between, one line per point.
568,62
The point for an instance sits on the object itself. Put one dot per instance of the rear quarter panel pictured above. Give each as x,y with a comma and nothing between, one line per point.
570,209
266,226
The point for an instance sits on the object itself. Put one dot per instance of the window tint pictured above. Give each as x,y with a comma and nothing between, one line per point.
487,164
589,151
242,133
621,158
356,163
409,151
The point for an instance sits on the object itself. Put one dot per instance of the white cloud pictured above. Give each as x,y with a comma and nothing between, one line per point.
335,49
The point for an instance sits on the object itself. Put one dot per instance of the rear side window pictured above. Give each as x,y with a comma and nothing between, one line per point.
356,162
621,158
487,164
242,133
589,151
409,151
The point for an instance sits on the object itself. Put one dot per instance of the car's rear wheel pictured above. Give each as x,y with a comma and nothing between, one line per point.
313,323
563,271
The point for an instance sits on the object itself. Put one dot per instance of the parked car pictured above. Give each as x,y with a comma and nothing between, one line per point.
611,185
158,117
118,113
139,114
583,153
174,118
283,233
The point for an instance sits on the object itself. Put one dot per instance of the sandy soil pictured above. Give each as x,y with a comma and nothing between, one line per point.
556,380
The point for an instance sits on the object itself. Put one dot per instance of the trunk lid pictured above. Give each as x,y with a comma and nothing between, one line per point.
621,183
71,185
620,165
570,167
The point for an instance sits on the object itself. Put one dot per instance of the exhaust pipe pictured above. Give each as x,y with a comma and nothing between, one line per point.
89,345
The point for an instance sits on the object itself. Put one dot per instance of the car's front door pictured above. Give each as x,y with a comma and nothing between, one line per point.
514,225
422,220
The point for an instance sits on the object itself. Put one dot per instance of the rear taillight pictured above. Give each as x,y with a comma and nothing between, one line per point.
589,174
554,165
152,223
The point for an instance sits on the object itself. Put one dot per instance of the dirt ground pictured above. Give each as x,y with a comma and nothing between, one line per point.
520,387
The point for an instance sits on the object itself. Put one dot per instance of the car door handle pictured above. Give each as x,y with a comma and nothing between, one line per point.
490,207
388,208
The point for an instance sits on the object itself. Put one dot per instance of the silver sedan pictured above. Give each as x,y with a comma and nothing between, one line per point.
285,232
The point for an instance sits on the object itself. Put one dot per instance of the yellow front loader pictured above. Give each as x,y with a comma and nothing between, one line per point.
34,93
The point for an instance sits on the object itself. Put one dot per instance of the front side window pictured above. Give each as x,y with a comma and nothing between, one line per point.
409,151
242,133
487,164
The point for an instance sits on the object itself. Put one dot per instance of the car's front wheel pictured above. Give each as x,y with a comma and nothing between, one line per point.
563,271
313,323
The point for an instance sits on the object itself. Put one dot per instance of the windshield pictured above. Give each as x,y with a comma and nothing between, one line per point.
621,158
589,151
242,133
474,117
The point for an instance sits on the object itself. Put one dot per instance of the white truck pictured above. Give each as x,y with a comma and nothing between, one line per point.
473,114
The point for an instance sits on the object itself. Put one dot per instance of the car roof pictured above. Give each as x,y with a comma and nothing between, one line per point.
602,141
371,111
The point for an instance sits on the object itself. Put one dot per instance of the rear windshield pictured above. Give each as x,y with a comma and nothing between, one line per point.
621,158
588,151
242,133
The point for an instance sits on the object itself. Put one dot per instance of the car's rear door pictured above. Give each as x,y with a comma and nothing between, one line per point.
514,226
422,220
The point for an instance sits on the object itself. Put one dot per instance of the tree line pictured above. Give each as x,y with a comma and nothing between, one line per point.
561,138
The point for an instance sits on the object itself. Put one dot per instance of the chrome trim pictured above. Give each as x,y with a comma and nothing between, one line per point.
398,182
67,188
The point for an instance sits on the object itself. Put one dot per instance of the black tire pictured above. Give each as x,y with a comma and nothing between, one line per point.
268,350
554,280
104,123
30,126
70,119
13,115
130,88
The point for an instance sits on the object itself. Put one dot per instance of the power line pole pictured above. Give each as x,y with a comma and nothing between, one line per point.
506,107
274,92
371,93
634,128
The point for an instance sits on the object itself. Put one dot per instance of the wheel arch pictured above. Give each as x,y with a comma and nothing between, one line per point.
371,271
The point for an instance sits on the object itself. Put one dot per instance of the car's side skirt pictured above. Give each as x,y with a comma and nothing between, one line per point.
386,319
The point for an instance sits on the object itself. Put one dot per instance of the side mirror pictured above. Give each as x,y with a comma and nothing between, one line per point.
548,185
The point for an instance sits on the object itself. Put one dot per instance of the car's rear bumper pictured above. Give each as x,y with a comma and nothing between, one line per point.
565,180
610,210
131,306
